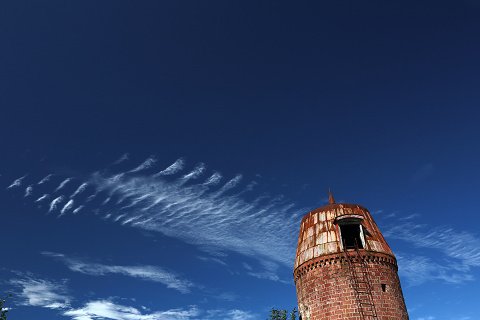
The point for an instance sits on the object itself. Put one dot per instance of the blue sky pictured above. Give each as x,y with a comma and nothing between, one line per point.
157,156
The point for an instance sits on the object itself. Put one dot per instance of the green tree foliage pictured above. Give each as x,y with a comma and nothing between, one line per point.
3,309
293,314
277,314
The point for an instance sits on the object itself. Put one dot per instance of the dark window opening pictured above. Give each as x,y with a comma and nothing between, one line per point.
351,236
384,287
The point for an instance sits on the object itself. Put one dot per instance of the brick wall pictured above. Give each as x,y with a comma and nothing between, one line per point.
325,290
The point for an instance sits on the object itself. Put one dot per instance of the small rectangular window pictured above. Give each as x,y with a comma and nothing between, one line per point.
351,238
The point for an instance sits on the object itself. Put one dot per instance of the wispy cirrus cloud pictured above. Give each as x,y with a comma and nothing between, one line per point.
42,197
105,309
147,164
230,184
212,259
460,245
195,173
55,202
175,167
268,272
194,207
77,209
91,197
214,179
28,191
41,293
66,207
459,251
145,272
45,179
416,270
62,184
17,182
108,309
206,217
124,157
79,190
36,292
234,314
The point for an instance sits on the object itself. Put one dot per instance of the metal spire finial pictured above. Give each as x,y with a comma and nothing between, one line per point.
331,199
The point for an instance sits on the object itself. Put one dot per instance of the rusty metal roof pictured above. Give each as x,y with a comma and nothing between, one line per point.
319,234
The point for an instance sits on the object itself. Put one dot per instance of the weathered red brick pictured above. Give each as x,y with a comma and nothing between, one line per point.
324,281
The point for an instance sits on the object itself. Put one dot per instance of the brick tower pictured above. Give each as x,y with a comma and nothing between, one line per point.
344,268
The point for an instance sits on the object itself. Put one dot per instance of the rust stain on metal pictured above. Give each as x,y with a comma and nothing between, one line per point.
319,234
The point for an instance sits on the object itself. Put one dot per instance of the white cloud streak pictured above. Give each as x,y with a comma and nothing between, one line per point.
124,157
147,164
212,259
172,169
77,209
17,182
55,202
66,207
144,272
417,270
195,173
79,190
105,309
43,197
63,184
234,314
269,272
41,293
45,179
202,213
28,191
459,245
214,179
230,184
36,292
459,251
91,197
210,219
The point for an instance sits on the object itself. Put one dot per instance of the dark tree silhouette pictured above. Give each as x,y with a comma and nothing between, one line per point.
277,314
3,309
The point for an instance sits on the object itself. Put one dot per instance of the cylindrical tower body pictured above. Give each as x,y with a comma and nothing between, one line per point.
344,268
